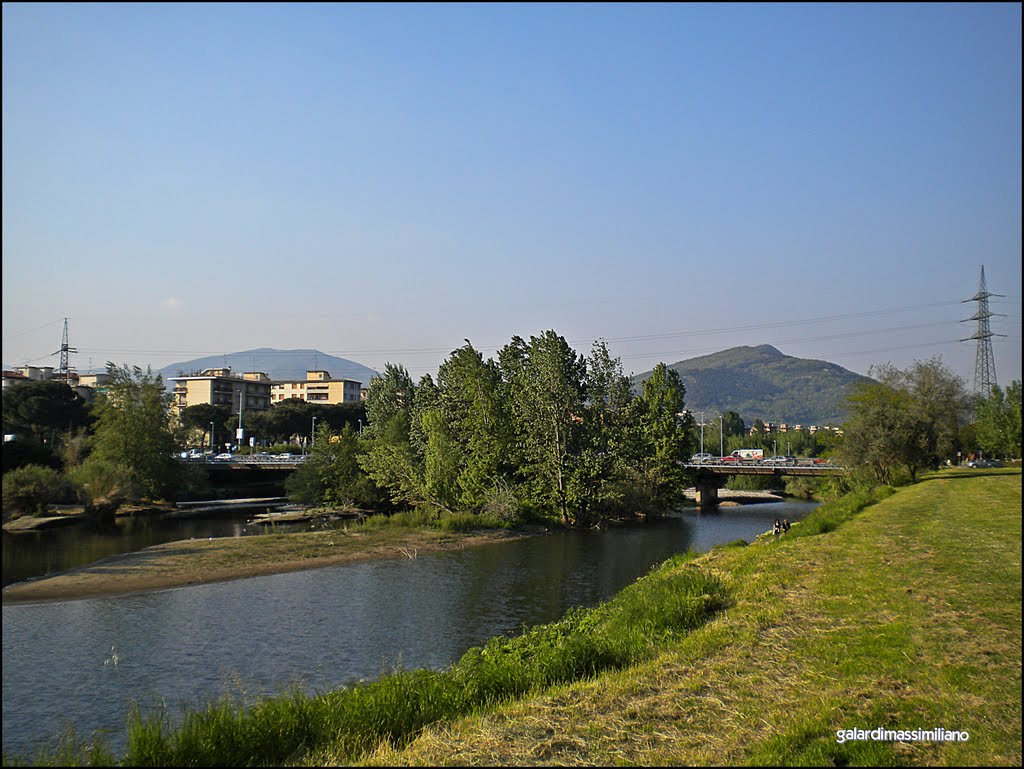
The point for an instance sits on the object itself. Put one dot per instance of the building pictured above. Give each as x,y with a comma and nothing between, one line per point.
219,387
13,378
317,387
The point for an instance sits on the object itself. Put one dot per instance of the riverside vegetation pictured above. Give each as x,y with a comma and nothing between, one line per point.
887,608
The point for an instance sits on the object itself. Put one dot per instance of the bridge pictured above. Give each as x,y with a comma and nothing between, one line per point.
246,461
712,476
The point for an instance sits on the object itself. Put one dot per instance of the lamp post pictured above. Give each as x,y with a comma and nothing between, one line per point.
211,436
721,435
312,435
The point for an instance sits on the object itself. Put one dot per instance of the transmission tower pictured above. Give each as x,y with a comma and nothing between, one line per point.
984,361
64,350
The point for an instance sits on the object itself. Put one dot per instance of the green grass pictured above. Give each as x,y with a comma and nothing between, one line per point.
895,609
899,613
346,724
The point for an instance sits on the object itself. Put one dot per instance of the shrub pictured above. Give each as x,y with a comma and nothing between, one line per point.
102,485
32,489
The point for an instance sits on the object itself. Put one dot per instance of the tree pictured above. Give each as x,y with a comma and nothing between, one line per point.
469,400
389,404
732,424
133,435
601,473
332,475
998,422
200,416
44,410
661,438
546,380
908,420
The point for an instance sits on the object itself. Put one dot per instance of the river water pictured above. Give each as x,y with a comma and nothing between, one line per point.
83,663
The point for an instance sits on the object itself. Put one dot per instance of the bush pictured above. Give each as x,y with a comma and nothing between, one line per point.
102,485
32,489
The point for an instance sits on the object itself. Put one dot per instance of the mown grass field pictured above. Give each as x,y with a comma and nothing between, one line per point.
906,616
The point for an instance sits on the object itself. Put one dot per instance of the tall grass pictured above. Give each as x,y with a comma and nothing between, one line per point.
674,599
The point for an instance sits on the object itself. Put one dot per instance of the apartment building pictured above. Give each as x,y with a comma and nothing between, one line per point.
317,387
220,387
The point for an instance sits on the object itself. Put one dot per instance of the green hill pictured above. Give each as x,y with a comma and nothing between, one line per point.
763,383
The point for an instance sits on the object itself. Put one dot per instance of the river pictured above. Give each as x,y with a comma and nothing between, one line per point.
84,662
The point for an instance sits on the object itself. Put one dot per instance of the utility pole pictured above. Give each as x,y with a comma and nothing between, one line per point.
240,435
984,361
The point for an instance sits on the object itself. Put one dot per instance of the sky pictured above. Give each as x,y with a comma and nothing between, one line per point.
382,182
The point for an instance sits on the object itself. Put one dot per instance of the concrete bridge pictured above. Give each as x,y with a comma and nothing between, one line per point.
709,478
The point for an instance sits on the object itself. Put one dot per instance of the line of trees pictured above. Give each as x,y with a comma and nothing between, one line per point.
542,432
906,421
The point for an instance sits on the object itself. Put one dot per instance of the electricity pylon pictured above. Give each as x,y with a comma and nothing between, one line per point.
64,350
984,361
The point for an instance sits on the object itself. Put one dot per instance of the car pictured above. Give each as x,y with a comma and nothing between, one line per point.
730,458
285,455
702,459
223,456
779,459
985,463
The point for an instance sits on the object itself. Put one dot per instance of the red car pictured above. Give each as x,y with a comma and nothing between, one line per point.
730,458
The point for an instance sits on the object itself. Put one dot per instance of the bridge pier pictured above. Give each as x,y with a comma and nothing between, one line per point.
707,489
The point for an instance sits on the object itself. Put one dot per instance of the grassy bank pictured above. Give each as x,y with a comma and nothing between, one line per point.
906,615
895,610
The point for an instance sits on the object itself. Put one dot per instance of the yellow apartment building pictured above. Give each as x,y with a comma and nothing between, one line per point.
317,387
219,387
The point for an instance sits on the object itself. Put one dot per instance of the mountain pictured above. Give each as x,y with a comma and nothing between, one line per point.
763,383
277,364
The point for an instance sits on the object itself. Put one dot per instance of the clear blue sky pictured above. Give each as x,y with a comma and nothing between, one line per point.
380,182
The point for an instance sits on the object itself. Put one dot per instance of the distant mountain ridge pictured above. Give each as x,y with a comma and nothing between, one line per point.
763,383
277,364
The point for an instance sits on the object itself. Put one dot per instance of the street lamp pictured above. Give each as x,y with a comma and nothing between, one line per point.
721,435
312,435
211,436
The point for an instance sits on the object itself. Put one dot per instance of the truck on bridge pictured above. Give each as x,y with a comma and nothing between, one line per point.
745,454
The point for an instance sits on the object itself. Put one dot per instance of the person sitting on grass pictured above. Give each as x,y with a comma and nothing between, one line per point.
785,525
777,528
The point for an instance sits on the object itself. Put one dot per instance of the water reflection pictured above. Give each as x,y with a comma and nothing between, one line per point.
323,627
38,553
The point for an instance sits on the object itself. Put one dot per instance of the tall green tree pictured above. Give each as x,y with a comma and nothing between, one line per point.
601,472
662,438
471,406
389,402
546,379
132,435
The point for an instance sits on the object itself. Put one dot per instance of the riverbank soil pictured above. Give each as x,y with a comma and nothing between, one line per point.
194,562
906,617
